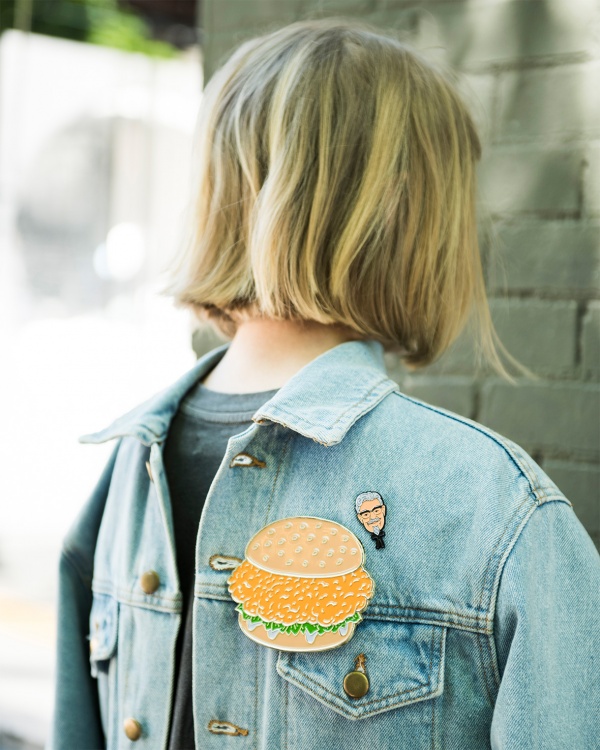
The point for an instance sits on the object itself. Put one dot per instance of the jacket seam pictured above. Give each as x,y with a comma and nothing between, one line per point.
421,688
282,459
410,614
484,668
496,586
484,590
168,604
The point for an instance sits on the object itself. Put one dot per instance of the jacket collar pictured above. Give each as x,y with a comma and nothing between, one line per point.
321,401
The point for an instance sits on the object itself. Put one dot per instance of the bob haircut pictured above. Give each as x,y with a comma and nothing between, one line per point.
336,182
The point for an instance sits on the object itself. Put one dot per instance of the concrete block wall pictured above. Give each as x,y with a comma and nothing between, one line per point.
530,71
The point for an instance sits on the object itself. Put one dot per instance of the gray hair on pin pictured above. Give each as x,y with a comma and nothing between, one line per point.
364,497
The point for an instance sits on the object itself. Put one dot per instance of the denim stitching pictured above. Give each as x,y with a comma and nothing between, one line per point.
433,725
484,669
425,621
212,597
434,646
286,414
489,642
256,722
123,597
285,714
366,396
282,459
483,616
213,583
441,659
485,589
368,703
486,630
495,583
489,589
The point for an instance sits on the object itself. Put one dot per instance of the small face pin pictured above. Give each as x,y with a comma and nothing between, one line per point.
370,511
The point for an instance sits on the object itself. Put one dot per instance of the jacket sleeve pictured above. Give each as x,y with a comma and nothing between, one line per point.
76,722
547,635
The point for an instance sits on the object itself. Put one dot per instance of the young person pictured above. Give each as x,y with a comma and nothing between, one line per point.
439,590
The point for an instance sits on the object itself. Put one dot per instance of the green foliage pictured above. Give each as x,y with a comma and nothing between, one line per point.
95,21
113,27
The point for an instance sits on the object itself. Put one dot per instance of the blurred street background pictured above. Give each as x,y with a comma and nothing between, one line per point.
95,140
98,102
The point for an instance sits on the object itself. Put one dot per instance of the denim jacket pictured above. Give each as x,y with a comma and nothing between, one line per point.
482,631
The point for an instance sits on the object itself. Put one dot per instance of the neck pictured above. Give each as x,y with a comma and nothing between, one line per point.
264,353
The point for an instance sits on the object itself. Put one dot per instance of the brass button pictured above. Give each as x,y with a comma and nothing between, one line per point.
356,684
133,729
149,581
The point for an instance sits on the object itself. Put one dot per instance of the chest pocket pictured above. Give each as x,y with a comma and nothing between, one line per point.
404,665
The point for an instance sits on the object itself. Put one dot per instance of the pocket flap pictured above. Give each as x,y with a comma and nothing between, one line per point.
404,663
103,627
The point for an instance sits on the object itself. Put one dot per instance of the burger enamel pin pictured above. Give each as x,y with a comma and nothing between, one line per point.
302,585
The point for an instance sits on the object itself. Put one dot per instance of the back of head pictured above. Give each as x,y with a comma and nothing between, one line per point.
336,182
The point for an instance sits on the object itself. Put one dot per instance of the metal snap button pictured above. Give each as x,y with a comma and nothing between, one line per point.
356,684
149,581
133,729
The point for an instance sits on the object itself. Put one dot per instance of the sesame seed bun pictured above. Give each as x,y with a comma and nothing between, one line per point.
297,642
305,547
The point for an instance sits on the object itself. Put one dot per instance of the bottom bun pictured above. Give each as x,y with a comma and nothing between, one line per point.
297,641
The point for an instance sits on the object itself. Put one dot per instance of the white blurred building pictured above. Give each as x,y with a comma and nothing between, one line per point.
95,158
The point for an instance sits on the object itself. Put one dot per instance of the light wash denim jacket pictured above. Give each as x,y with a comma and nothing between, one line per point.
482,632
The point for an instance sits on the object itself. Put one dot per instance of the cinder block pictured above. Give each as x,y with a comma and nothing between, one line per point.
482,35
456,394
221,16
552,257
581,484
204,339
591,182
459,359
541,335
590,342
531,180
314,8
217,49
478,92
550,101
558,419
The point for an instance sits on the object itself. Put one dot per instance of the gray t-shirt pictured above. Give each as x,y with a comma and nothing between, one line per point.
195,447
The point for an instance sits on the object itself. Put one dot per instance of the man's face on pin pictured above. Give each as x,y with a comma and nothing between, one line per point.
371,514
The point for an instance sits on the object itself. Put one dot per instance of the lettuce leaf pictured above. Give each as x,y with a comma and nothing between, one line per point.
305,627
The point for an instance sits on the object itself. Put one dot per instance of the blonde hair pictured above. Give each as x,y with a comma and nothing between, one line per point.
336,182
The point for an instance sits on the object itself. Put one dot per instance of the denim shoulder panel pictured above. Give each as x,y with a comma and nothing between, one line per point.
542,487
456,494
